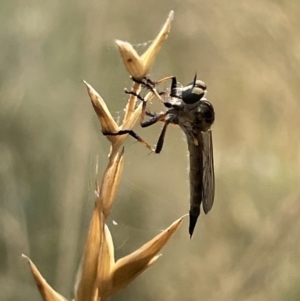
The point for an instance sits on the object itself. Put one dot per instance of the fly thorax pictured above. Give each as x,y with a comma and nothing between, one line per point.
205,115
172,117
192,108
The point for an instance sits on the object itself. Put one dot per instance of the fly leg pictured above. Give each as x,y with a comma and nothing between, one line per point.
155,118
146,82
148,113
161,138
144,106
132,134
162,81
150,85
174,84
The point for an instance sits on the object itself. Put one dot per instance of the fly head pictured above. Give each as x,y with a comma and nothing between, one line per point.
193,92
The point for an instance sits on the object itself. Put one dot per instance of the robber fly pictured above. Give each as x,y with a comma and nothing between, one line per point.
188,108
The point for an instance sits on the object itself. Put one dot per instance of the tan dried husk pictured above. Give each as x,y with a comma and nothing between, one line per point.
139,66
99,276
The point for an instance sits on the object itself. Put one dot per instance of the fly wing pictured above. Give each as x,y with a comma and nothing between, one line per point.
208,192
202,182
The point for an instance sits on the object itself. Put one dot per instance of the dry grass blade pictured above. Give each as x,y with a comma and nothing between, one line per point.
110,184
132,61
129,123
150,54
106,263
139,66
46,291
87,275
99,277
130,107
136,115
106,120
128,268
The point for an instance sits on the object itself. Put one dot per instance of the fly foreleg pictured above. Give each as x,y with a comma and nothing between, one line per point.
155,118
150,85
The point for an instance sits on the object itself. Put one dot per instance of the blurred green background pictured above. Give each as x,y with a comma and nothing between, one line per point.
247,52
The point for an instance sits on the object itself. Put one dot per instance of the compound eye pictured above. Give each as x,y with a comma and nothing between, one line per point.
192,94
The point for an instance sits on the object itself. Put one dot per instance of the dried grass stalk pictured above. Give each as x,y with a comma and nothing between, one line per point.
100,276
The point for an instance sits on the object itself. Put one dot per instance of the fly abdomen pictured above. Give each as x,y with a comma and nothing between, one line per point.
194,214
196,181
